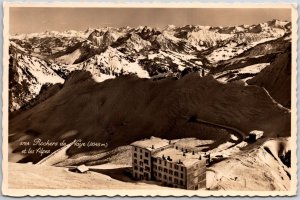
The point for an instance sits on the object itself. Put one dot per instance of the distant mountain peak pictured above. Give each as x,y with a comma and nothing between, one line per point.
108,52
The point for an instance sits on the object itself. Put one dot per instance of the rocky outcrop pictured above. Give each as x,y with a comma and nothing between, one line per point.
276,79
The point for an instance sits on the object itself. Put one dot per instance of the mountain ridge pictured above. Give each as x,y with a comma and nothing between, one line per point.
148,52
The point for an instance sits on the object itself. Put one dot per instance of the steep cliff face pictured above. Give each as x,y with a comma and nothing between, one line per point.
27,75
267,65
103,38
276,78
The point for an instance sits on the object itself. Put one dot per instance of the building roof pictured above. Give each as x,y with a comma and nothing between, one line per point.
82,168
257,132
152,142
176,154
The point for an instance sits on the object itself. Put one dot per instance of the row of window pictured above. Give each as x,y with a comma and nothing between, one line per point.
142,176
170,178
141,163
141,151
146,162
141,157
171,172
141,168
165,163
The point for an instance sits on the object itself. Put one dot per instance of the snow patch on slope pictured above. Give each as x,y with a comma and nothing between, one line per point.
251,69
40,72
69,58
110,64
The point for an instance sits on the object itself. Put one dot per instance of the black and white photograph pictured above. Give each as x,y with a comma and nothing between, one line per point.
166,100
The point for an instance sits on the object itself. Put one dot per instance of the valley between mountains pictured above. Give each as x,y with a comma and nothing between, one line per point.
201,85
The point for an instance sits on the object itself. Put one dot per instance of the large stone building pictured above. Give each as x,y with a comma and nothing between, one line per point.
162,160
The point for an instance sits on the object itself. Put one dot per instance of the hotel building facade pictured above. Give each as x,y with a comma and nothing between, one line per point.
162,160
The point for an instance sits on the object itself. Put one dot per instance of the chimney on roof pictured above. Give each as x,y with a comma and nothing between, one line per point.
169,141
163,157
200,157
183,154
193,153
176,147
186,150
152,146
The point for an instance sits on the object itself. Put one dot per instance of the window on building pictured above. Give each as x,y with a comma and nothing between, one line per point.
159,168
159,161
176,173
141,163
176,180
146,154
155,174
154,167
165,163
181,182
146,175
181,175
171,165
135,161
135,155
165,177
146,161
135,148
181,169
135,167
141,157
170,178
165,170
171,172
147,169
176,166
159,174
141,169
141,150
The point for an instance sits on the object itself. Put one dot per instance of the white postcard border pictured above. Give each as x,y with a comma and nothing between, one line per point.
124,192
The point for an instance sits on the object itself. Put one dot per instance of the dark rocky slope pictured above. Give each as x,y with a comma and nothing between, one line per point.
125,109
276,78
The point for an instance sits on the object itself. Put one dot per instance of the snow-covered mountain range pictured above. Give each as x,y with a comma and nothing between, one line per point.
236,53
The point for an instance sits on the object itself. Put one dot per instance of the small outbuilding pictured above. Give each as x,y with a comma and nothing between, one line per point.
255,135
80,169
